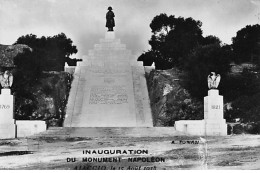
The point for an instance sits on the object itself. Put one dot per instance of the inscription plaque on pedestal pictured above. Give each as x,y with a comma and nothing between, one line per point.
108,95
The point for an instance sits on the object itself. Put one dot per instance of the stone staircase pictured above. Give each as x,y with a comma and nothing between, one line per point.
109,97
109,89
108,132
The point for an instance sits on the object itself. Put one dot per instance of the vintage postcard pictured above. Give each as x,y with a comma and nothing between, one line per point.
130,85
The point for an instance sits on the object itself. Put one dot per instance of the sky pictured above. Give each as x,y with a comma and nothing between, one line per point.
84,20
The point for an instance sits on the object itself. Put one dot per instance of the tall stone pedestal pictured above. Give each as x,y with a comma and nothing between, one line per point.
7,122
213,123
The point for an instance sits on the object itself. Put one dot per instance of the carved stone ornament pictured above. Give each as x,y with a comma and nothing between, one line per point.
6,79
213,80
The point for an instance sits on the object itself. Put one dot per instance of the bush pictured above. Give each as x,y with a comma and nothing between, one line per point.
45,100
246,44
241,128
199,64
50,53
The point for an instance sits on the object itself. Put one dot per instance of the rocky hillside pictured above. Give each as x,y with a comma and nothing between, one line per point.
170,101
45,100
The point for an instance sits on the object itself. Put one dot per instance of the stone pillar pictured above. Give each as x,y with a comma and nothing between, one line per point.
110,35
7,122
215,124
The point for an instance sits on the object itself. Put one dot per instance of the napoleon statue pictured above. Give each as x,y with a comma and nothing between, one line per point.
213,80
110,19
6,79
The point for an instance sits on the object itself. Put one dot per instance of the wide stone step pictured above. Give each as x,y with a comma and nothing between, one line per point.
102,41
111,132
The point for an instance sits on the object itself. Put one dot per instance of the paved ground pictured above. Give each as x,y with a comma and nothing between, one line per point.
231,152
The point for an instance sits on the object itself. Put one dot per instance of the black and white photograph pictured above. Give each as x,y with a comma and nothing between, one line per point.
129,85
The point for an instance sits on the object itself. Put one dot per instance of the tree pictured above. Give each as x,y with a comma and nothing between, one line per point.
246,44
199,64
52,52
211,39
48,53
172,39
245,83
26,76
247,108
162,24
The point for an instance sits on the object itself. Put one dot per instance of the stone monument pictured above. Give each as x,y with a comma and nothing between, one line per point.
9,127
109,89
213,123
7,122
110,22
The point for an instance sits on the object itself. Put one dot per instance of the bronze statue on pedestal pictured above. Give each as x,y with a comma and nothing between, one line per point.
110,19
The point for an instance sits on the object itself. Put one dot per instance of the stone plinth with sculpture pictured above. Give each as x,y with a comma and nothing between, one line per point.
213,123
110,22
9,127
7,123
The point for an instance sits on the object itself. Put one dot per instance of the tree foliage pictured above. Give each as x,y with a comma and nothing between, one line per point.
246,44
39,96
172,41
50,52
178,42
211,39
200,62
162,24
246,108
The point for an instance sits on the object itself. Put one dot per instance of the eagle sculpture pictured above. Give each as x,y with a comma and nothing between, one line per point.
6,79
213,80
